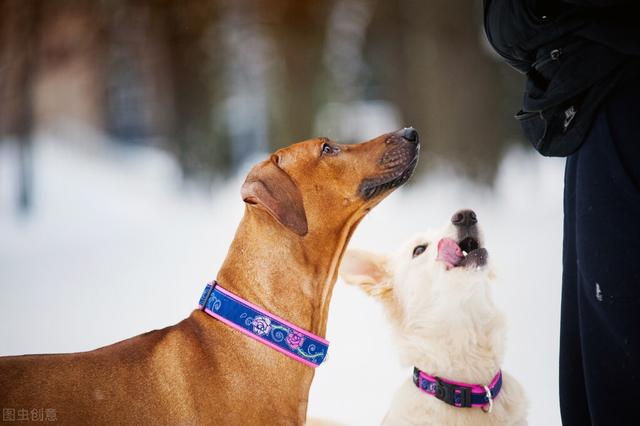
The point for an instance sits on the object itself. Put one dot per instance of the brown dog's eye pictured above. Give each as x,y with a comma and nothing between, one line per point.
329,150
418,250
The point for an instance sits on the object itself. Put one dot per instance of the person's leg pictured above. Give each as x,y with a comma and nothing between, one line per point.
573,399
607,237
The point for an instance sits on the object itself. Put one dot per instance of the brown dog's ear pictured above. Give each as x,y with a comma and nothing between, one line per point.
368,271
269,187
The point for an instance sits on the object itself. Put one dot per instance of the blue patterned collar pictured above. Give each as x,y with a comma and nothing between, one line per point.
263,326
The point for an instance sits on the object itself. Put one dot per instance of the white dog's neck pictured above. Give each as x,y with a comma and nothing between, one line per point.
464,344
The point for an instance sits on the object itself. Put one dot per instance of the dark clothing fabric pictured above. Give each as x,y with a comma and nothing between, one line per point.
600,324
581,100
572,53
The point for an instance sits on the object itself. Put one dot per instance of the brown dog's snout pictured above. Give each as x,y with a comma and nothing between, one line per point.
464,218
396,163
410,134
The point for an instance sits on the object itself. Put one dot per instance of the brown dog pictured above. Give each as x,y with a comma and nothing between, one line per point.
303,204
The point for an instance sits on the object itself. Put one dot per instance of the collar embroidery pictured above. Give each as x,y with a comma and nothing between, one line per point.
263,326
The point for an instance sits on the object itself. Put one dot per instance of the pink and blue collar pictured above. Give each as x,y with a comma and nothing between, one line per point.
459,394
263,326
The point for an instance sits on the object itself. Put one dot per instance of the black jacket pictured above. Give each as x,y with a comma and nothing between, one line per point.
573,53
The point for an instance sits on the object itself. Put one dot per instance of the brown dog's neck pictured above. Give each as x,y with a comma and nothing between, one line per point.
287,275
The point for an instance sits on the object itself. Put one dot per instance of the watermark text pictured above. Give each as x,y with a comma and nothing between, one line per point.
29,414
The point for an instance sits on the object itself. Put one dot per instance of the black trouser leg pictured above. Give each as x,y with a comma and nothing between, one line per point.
573,400
600,329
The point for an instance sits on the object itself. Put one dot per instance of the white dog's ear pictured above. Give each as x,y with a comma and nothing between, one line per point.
369,271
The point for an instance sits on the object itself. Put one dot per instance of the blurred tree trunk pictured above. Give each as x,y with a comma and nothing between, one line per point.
139,99
445,82
297,28
188,28
71,67
19,36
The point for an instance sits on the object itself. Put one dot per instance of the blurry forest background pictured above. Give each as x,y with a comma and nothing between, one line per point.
214,81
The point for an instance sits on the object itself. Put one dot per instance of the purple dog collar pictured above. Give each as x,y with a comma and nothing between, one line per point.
263,326
459,394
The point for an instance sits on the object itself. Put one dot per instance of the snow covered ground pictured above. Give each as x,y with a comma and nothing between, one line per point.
117,246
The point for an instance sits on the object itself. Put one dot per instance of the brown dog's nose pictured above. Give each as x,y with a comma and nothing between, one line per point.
409,133
464,218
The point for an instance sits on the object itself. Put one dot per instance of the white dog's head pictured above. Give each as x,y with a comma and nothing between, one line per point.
436,291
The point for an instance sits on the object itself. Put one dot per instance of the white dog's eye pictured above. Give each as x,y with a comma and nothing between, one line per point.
418,250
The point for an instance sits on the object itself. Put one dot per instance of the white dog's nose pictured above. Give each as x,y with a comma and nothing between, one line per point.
464,218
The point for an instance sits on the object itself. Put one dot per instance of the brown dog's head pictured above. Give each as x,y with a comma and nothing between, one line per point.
318,186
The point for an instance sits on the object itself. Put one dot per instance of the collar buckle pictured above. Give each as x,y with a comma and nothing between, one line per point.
458,396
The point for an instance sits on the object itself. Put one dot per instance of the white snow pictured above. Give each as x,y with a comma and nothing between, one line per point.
116,246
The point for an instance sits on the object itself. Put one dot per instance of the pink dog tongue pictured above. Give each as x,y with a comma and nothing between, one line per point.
449,252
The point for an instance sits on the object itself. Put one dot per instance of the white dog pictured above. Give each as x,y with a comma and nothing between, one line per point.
437,293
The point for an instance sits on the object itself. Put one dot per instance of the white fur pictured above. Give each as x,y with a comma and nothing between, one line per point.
445,323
